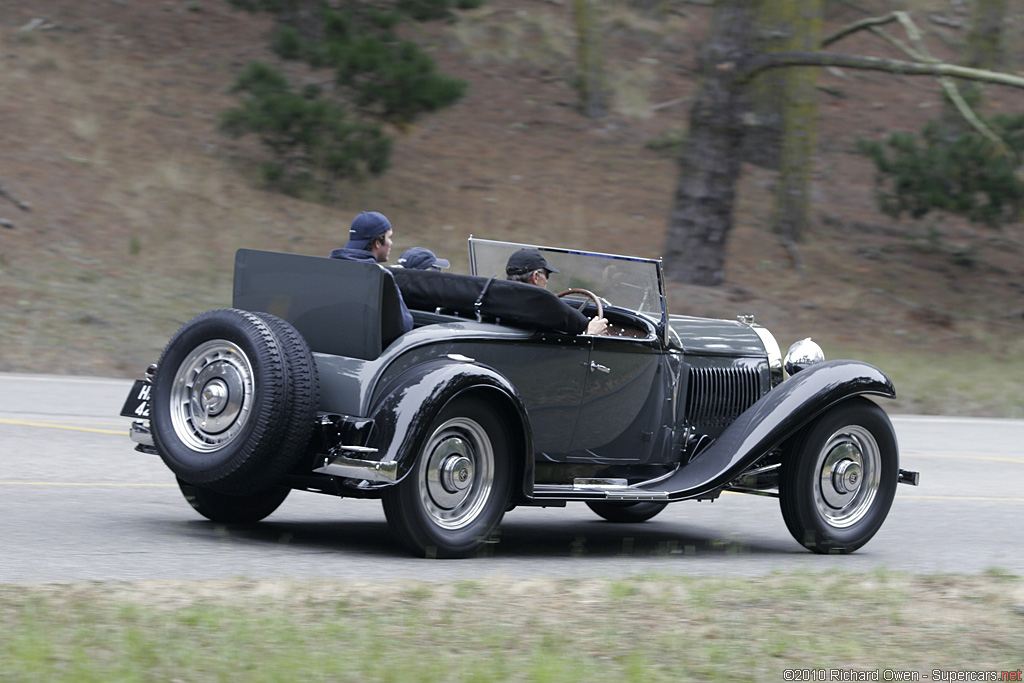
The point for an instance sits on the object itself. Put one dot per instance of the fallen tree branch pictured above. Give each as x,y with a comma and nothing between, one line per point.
775,60
858,26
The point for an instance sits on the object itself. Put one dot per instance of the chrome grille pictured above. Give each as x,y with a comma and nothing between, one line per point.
716,396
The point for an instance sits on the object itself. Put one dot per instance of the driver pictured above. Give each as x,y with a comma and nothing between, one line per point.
527,265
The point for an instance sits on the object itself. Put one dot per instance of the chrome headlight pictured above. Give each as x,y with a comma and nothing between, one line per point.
803,354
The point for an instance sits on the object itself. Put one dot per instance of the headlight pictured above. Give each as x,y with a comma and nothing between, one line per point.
802,354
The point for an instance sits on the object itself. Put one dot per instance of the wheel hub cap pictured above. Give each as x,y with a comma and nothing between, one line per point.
211,396
215,406
214,397
449,473
848,476
841,475
456,473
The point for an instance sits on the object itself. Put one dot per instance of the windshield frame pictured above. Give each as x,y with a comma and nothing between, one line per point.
487,259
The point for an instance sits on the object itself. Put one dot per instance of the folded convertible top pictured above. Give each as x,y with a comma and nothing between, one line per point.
467,295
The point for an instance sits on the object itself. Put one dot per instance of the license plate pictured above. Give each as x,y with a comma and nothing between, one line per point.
137,403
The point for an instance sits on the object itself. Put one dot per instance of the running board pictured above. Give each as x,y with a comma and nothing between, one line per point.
596,489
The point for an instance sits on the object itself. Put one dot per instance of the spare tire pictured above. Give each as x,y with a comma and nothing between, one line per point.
224,412
304,386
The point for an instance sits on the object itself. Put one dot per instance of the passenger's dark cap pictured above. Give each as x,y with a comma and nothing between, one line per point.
418,258
526,261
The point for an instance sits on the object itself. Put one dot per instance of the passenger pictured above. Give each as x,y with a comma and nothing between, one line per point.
369,240
527,265
418,258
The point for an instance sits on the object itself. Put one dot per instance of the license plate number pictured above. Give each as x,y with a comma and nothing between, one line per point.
137,403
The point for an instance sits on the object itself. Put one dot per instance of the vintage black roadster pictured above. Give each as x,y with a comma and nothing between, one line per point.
496,399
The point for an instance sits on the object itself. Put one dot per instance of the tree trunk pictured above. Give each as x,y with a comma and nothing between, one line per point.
773,32
590,59
709,165
799,127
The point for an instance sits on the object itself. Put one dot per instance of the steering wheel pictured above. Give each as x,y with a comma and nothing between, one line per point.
587,293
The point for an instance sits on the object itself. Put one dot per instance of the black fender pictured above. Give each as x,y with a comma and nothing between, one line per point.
771,420
401,418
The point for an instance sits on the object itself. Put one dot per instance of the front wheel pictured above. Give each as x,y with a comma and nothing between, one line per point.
838,478
459,488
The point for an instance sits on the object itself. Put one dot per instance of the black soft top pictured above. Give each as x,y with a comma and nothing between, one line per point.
513,302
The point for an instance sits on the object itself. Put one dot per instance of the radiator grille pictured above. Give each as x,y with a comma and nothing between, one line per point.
716,396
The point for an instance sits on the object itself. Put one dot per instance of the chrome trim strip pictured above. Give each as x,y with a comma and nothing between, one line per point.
354,468
583,483
595,492
141,433
771,347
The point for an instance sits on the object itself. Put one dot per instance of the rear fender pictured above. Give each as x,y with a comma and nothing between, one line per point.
771,420
403,416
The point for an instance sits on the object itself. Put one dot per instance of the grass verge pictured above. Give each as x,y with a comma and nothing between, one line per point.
635,629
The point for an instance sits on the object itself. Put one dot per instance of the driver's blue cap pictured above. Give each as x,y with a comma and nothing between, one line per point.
526,261
365,227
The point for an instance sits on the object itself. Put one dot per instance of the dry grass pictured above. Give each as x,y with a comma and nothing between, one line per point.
641,629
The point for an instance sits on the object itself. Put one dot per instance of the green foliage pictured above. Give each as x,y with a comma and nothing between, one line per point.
303,130
962,174
395,79
427,10
378,78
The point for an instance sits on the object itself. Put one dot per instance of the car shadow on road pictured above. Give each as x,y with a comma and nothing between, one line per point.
515,539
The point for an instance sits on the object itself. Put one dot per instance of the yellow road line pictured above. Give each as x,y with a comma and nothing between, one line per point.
962,457
71,483
990,499
46,425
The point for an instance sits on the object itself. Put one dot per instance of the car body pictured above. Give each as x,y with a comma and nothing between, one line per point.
495,399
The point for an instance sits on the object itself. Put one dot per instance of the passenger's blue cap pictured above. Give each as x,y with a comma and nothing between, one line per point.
365,227
418,258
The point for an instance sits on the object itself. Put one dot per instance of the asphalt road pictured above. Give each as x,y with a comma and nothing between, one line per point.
78,503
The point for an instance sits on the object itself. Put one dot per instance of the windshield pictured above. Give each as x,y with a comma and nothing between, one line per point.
623,281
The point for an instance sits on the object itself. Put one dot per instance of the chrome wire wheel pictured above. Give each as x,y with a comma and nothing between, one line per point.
848,478
456,474
212,395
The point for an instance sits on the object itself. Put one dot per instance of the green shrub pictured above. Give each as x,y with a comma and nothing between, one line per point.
963,174
378,78
303,130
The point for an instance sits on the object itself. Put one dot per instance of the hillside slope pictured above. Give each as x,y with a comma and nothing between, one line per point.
125,206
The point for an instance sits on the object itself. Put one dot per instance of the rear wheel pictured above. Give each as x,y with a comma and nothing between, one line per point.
229,509
626,512
458,490
838,478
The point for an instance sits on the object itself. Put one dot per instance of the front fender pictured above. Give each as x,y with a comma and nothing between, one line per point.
403,416
772,419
